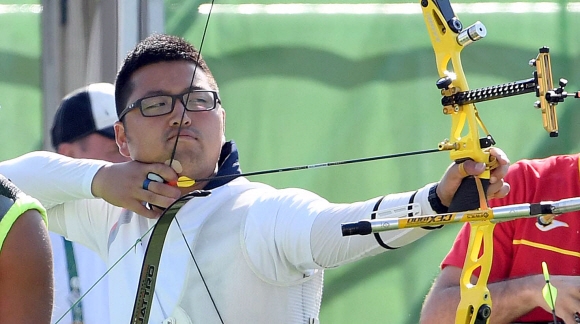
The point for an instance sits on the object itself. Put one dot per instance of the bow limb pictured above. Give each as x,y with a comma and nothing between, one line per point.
464,142
448,39
144,297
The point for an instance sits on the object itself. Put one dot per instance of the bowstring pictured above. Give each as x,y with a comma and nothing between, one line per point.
196,65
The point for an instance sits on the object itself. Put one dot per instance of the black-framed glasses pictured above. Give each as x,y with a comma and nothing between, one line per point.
192,100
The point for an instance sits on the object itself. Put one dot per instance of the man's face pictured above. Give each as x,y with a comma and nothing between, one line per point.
152,139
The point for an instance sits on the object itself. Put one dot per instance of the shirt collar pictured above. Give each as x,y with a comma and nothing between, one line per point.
228,166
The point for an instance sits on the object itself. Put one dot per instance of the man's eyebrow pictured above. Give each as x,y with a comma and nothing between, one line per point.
162,92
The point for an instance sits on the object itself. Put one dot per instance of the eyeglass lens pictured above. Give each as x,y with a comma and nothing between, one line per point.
196,101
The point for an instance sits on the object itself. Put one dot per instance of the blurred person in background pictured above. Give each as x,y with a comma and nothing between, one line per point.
83,128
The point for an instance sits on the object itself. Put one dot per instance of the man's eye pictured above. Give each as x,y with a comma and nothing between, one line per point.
199,100
154,105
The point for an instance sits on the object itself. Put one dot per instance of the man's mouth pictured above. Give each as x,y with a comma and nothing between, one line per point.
183,135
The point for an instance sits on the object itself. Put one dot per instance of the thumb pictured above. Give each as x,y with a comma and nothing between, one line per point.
469,167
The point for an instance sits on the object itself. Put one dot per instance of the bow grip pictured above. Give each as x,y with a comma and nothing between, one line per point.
467,196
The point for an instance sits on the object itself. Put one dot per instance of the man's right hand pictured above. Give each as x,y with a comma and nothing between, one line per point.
121,184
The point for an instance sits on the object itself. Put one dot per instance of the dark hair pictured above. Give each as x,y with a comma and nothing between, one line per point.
154,49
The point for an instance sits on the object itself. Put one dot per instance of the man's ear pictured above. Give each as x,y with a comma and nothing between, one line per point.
121,139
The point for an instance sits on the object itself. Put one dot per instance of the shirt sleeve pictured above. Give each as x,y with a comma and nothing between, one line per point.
52,178
301,232
331,249
84,221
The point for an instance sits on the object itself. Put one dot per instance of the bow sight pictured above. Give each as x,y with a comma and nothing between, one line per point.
541,83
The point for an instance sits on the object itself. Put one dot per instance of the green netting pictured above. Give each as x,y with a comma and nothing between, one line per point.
312,87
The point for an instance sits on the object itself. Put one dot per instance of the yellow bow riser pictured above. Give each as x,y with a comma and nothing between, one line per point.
448,39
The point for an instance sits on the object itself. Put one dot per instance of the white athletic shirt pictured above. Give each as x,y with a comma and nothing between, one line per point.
261,250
